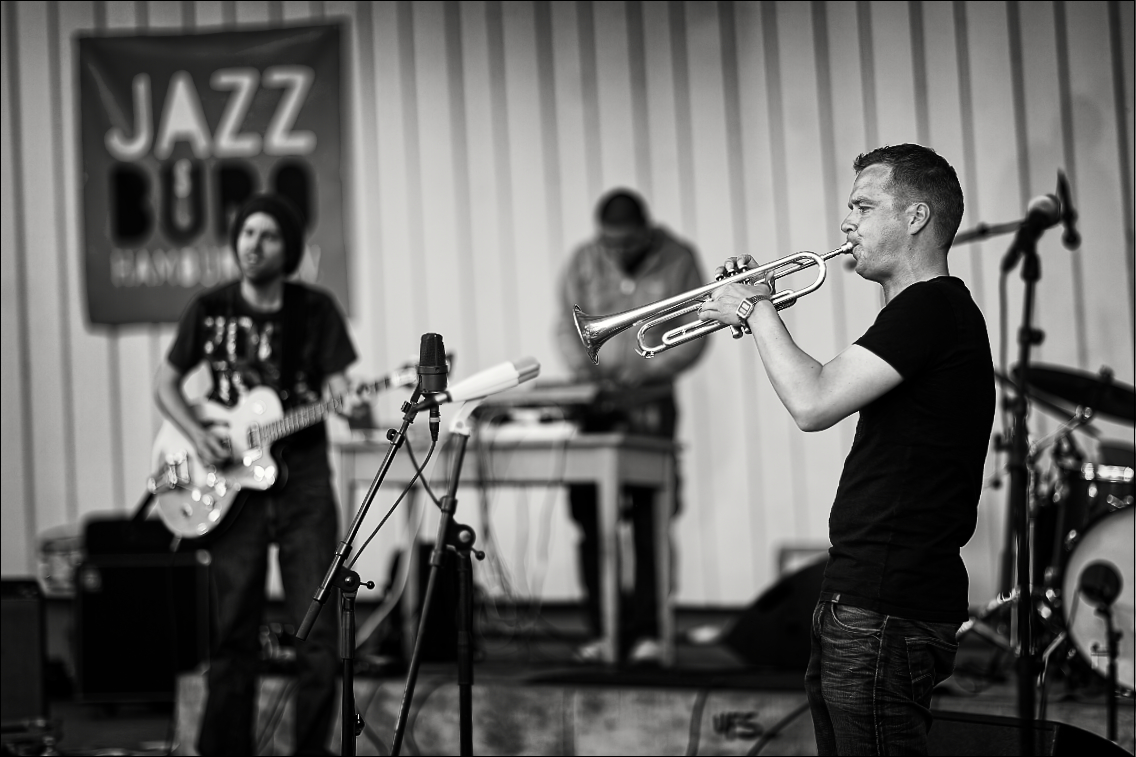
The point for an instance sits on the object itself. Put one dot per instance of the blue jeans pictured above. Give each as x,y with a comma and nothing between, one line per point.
870,678
302,520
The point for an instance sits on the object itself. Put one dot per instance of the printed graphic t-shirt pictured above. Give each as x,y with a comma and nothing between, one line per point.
291,350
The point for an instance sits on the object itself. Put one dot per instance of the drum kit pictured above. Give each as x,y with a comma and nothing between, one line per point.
1082,526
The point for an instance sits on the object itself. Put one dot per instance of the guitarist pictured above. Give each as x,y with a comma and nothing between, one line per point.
264,330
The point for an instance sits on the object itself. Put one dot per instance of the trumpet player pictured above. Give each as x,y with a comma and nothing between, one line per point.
921,378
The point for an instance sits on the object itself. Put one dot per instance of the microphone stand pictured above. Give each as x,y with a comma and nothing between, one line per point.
459,539
347,581
1025,245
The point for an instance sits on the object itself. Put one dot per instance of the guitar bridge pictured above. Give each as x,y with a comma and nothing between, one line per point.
174,475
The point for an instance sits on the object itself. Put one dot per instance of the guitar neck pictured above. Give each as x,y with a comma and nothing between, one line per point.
298,419
309,415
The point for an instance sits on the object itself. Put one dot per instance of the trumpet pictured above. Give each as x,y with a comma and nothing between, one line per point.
595,330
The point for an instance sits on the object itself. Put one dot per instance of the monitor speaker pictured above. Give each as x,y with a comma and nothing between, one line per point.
141,616
959,733
23,694
774,632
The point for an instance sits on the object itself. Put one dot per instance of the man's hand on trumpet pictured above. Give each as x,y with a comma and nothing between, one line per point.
734,303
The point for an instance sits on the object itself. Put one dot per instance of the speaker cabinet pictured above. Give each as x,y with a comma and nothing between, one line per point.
774,632
959,733
23,695
140,620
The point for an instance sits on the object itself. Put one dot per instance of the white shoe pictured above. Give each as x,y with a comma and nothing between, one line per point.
646,650
592,652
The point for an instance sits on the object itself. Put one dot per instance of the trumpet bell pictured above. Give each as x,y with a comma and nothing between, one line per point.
592,337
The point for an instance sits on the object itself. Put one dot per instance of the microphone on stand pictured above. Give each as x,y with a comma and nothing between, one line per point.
484,383
432,375
1043,212
1071,238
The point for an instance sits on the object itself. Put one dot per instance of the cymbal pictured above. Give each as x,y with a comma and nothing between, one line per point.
1059,410
1098,391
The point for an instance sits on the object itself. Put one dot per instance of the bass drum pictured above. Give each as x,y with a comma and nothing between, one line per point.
1106,544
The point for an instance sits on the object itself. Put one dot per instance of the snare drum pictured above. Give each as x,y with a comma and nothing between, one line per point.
1107,541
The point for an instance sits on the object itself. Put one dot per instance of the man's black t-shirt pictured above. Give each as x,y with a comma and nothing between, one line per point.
291,350
908,496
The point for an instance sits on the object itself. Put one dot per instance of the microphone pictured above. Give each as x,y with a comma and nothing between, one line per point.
1071,238
1042,213
1100,583
484,383
432,374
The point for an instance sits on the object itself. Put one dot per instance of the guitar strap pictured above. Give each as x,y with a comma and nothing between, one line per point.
294,319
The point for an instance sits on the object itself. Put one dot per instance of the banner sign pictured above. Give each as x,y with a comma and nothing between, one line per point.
176,132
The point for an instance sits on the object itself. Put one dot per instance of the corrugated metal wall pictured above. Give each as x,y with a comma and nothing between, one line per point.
480,135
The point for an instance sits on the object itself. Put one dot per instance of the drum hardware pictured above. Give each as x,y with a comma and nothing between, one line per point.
1100,585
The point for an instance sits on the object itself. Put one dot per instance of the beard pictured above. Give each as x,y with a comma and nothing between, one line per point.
262,271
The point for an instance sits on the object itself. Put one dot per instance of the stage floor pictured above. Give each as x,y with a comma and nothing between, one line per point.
529,699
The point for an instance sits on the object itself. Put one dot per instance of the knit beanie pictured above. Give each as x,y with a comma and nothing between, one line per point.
288,218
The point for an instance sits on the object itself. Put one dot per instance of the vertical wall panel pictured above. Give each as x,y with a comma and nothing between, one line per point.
721,497
395,242
1057,313
361,178
130,347
895,85
1098,181
666,88
742,90
529,277
1121,38
479,136
773,513
811,319
851,136
782,445
88,361
42,240
572,149
435,284
15,431
613,90
485,245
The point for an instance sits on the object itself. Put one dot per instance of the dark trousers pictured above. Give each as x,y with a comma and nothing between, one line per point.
649,411
302,521
640,611
870,678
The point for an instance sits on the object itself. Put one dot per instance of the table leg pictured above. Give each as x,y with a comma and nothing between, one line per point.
664,506
608,495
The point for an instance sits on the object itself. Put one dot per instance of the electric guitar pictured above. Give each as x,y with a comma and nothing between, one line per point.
193,498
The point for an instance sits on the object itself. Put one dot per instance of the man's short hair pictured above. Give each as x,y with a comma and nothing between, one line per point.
621,207
919,174
288,217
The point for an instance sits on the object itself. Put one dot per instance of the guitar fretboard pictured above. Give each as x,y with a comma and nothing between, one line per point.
298,419
308,415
